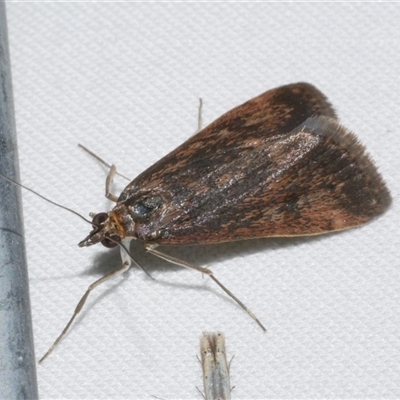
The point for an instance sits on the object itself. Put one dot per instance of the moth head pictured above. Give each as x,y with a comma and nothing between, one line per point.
106,229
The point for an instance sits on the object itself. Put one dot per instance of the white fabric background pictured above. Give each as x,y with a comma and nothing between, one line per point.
124,79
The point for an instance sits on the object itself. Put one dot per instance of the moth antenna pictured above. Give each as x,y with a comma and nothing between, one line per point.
101,160
82,301
45,198
151,249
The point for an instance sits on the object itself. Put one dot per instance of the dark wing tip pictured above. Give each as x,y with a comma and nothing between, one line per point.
362,184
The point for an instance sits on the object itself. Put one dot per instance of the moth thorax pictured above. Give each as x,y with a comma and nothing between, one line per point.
114,226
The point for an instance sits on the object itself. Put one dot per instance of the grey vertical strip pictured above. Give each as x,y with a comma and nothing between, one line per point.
216,378
17,358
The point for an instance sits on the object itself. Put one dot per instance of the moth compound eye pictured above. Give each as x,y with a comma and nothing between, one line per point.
108,243
98,219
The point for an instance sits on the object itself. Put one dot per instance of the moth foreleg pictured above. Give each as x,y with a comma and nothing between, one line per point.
110,275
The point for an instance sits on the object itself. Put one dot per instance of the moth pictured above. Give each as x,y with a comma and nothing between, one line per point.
215,367
277,165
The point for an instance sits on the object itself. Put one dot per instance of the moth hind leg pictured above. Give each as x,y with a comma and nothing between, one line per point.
151,248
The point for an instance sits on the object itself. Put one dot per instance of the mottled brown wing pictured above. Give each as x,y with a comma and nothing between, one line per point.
263,169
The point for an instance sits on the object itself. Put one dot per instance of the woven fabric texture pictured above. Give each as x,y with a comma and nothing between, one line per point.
124,80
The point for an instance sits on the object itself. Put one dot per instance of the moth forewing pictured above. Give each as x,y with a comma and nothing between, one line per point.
314,179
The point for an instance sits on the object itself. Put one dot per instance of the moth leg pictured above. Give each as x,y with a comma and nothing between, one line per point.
126,263
199,117
109,181
151,248
110,177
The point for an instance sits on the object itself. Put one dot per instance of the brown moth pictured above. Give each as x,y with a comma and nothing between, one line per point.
270,167
278,165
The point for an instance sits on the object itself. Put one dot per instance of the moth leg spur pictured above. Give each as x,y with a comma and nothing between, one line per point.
151,248
126,264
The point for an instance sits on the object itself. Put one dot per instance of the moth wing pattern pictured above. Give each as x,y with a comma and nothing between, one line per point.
278,165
